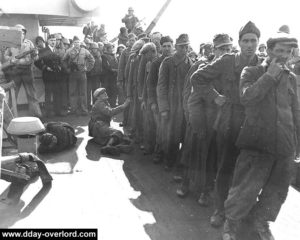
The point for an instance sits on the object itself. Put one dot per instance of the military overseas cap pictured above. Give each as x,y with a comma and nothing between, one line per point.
98,92
130,9
250,27
75,38
183,39
222,39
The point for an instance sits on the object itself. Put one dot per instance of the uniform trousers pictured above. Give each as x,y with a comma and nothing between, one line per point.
259,187
77,91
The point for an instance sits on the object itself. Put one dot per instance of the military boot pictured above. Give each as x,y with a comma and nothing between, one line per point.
184,188
217,219
263,230
230,230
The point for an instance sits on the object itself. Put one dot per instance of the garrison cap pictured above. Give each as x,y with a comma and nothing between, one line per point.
75,38
250,27
98,92
222,39
183,39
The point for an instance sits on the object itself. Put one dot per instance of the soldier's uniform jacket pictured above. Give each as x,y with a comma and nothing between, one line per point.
130,21
172,73
170,85
97,69
132,75
152,79
99,124
82,58
64,133
122,64
272,121
109,63
226,70
26,45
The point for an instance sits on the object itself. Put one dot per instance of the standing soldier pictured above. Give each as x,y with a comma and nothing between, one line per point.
227,70
166,44
200,151
60,49
135,114
93,76
148,53
110,70
50,64
121,80
172,73
22,72
77,62
269,141
130,20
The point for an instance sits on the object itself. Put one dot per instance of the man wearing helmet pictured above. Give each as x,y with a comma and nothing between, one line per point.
22,72
130,20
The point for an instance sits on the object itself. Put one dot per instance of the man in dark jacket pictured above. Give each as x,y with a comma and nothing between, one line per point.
112,140
199,150
130,20
93,76
51,66
110,70
58,136
167,49
226,70
269,141
172,73
121,79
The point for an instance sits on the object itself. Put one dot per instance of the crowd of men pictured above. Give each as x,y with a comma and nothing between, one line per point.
225,120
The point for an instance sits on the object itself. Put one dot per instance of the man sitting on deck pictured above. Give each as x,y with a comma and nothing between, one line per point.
112,141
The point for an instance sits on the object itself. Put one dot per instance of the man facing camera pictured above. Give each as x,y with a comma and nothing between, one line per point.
269,141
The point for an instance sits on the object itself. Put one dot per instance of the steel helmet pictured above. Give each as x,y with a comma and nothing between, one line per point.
21,27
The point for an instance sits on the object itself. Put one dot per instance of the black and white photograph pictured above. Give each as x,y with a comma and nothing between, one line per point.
150,119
